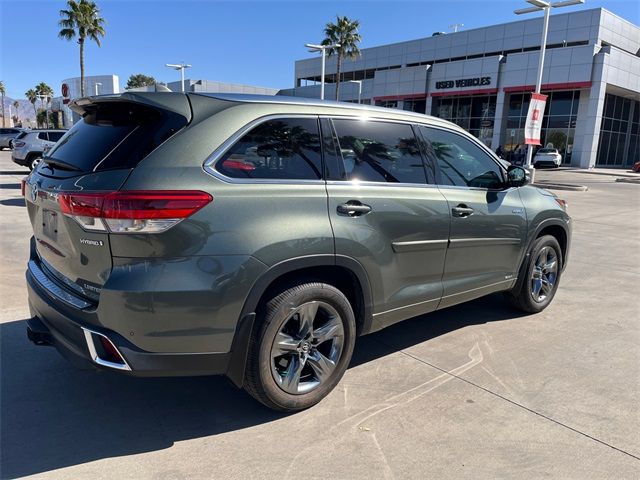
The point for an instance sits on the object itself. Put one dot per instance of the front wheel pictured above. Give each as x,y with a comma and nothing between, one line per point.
301,347
541,277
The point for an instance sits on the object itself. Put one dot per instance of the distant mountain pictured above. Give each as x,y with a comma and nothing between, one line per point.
25,110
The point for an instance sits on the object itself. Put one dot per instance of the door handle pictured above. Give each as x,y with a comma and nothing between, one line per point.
461,211
353,208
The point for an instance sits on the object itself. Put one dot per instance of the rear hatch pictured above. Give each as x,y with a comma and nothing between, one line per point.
65,193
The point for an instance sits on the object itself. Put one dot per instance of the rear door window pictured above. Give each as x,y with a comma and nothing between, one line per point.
374,151
43,136
55,136
286,148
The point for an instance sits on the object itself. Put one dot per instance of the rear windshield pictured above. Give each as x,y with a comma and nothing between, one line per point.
547,150
22,135
115,135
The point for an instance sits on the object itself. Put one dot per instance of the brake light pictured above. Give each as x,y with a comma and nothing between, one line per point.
23,186
136,211
18,144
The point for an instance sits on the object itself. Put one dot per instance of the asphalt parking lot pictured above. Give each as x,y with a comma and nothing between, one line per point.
475,391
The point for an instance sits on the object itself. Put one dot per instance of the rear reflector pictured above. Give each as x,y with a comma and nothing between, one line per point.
135,211
23,186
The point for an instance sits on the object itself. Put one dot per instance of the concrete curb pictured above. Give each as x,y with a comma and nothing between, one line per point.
595,171
562,186
628,180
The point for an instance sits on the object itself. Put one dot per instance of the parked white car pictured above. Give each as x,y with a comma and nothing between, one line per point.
29,146
547,156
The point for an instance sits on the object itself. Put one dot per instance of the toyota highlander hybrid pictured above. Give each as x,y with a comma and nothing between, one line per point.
257,237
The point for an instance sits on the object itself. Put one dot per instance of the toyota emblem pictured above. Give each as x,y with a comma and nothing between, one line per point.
34,193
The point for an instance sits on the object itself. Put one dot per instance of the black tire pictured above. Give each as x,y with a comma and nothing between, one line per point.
31,158
279,314
523,297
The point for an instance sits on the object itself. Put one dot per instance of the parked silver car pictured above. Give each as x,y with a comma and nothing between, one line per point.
8,134
28,147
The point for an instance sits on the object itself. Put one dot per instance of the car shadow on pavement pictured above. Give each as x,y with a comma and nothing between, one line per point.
14,172
54,416
13,202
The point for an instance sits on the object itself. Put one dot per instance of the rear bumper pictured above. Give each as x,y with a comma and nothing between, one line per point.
20,161
55,322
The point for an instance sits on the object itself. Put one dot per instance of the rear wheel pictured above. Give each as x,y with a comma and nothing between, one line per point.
33,160
541,277
301,347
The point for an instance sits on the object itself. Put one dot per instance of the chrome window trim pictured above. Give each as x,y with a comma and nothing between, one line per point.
209,164
357,183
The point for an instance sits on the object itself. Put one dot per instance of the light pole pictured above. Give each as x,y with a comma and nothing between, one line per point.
322,49
96,85
181,67
545,7
359,82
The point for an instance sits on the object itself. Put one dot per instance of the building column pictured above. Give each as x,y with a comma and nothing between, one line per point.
497,120
589,122
625,160
427,105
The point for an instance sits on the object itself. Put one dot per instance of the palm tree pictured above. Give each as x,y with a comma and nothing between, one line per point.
344,33
16,106
44,92
2,92
82,19
32,96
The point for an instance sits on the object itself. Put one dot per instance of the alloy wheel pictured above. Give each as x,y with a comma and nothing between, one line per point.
544,274
307,347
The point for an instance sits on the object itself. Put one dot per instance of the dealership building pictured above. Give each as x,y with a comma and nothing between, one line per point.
481,79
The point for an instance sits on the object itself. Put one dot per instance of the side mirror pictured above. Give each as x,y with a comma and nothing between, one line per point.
517,176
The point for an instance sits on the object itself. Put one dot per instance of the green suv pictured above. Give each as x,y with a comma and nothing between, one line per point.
257,237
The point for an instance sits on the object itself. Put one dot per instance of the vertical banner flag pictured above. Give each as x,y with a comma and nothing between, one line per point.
534,119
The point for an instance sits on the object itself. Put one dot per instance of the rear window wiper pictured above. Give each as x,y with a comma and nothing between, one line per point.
60,164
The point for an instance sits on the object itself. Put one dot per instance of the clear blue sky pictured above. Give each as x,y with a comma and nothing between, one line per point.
240,41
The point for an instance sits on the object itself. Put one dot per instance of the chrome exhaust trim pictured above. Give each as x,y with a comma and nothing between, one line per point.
88,335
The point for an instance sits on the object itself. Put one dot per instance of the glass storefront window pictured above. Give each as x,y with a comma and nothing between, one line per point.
473,113
619,139
558,124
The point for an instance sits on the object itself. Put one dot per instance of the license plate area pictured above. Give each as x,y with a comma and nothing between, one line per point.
50,224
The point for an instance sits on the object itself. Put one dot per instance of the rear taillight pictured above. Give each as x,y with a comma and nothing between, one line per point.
23,186
18,144
136,211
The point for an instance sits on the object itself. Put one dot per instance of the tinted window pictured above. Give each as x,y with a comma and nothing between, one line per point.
279,149
43,136
379,151
460,161
114,135
22,135
55,136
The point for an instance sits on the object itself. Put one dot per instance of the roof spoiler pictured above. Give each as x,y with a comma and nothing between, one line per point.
174,102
